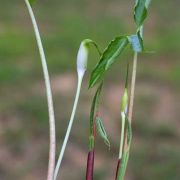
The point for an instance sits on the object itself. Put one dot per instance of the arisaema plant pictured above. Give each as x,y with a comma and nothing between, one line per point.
107,58
110,55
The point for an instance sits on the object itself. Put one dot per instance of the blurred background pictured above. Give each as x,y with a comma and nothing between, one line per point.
24,130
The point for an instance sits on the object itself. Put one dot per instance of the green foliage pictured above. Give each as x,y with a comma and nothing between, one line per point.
115,48
136,41
109,56
140,12
102,132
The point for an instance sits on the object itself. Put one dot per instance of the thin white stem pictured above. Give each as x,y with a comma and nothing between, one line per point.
58,165
132,90
122,135
52,147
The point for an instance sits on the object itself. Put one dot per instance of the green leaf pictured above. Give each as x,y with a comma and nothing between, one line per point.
136,42
94,107
31,2
123,165
140,12
109,56
102,132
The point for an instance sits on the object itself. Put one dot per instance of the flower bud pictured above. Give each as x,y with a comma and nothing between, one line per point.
82,57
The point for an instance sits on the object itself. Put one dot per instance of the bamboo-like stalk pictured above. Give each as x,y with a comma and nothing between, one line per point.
52,147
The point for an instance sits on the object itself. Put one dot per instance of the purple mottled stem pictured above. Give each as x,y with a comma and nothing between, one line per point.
90,166
117,169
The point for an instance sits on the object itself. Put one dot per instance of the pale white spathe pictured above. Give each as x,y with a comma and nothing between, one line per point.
82,58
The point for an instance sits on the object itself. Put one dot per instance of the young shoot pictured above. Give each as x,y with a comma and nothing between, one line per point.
124,122
140,14
123,109
95,124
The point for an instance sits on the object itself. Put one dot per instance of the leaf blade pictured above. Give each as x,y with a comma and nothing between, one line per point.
140,12
102,131
109,56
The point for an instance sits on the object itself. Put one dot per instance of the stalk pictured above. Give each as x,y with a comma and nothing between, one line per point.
82,60
122,136
52,146
117,169
94,115
91,153
132,90
90,165
80,78
125,149
123,108
131,96
130,112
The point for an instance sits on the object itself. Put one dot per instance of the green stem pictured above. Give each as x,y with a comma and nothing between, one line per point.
122,135
58,165
52,146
